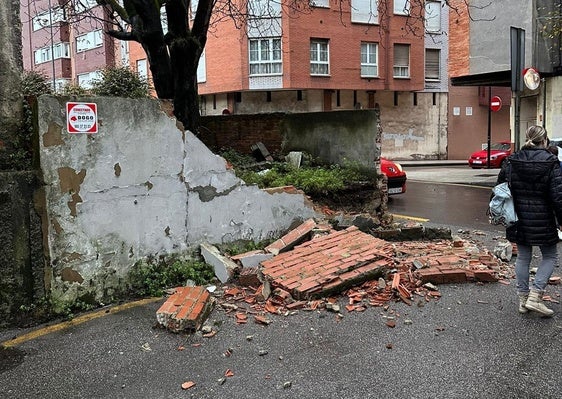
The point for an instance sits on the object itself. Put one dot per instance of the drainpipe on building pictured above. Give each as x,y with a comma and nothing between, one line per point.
544,103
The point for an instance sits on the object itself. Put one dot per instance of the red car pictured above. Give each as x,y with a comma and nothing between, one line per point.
498,154
396,176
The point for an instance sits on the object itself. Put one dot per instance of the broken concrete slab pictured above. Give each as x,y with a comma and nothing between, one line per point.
260,151
223,266
252,258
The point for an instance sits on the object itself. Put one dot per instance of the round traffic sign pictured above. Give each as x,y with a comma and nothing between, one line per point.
495,103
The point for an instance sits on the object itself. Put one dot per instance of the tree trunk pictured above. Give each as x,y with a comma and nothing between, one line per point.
147,29
185,50
186,100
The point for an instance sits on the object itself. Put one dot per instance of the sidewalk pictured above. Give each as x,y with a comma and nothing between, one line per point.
434,162
449,172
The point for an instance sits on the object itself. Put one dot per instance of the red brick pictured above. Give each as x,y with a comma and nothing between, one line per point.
485,276
453,276
195,302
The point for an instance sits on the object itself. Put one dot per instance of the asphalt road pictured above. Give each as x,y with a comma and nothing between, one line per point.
471,343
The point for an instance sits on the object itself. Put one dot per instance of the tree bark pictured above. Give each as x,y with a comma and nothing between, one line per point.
173,58
185,50
147,27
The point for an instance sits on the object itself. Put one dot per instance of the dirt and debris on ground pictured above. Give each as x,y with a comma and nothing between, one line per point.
317,268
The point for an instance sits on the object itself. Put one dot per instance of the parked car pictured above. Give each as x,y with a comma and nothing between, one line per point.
396,176
498,153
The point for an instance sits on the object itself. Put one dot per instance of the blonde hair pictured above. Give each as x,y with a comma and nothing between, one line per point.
535,136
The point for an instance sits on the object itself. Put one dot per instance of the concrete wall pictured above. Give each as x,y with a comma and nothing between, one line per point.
410,130
140,187
490,33
414,128
551,91
468,131
331,136
21,254
11,97
335,137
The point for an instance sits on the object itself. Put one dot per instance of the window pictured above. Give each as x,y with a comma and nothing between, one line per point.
202,69
432,64
265,56
85,79
60,50
433,16
89,41
401,61
264,8
365,11
319,57
142,69
83,5
402,7
369,60
45,19
320,3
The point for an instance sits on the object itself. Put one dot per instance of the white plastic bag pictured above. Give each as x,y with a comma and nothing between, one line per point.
501,210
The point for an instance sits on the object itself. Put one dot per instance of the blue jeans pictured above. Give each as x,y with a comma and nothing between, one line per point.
544,271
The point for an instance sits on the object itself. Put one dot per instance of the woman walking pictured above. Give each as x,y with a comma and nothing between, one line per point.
536,185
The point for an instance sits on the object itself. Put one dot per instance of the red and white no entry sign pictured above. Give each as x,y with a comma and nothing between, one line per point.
81,117
495,103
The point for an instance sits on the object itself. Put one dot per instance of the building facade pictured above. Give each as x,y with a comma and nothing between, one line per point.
338,56
489,63
66,42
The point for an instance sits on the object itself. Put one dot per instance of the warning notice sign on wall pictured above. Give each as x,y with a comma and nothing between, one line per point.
81,117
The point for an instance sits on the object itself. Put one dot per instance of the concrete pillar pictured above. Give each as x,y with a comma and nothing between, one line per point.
11,98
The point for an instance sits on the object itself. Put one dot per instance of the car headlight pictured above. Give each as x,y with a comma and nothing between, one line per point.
398,166
493,156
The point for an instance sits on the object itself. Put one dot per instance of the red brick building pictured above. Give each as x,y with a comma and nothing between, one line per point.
327,59
66,49
337,56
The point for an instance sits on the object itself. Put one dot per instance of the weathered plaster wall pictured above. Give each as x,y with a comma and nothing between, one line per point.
140,187
415,127
335,137
11,97
21,256
331,136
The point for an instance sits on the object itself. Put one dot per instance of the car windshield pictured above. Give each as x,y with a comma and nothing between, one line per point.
500,146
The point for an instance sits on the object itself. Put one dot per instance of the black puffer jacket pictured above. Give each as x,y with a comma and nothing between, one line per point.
536,186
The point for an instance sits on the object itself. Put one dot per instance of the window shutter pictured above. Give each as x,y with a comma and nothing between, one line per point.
401,55
431,64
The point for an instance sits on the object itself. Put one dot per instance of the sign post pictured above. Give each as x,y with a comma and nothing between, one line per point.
81,118
517,49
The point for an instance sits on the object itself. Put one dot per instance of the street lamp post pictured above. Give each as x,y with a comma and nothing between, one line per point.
52,45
